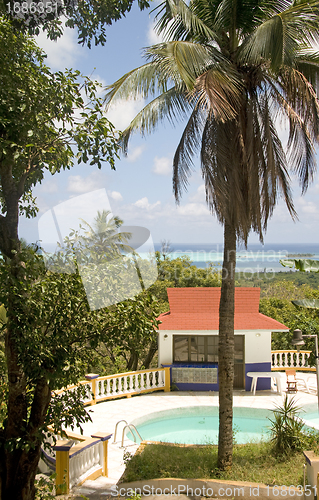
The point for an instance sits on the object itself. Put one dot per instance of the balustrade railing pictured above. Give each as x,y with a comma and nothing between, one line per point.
127,384
80,457
282,359
85,459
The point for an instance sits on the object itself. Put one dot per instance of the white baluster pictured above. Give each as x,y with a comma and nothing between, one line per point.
161,381
108,387
125,385
297,360
131,383
142,382
137,388
120,385
280,359
113,385
148,385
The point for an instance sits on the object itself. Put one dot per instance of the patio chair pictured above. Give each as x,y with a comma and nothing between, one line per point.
291,381
312,385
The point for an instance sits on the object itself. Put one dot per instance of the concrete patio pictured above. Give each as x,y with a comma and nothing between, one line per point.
106,415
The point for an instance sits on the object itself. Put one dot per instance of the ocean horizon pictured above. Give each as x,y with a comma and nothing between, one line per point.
254,258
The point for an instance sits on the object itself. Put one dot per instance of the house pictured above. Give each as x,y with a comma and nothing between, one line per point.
188,338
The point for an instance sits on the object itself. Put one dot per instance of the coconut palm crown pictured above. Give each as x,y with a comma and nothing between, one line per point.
235,69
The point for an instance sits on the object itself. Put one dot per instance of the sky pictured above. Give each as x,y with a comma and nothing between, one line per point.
140,190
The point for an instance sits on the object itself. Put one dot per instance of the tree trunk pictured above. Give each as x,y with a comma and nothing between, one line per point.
226,350
20,440
132,362
150,355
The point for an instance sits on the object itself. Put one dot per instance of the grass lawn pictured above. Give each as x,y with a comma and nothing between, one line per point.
254,462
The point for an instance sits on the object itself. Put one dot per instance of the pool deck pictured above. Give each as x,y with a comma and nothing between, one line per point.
106,415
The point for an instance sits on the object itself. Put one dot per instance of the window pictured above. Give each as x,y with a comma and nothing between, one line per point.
195,348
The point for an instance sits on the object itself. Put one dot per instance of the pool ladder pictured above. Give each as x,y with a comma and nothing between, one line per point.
127,426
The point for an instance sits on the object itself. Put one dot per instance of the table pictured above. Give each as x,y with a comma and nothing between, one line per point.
279,376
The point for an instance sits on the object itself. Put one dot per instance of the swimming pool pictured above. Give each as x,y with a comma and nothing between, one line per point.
310,415
199,425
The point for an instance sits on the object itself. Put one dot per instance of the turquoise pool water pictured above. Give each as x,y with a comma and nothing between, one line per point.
310,415
199,425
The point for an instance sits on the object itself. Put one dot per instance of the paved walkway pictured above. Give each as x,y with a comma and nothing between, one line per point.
106,415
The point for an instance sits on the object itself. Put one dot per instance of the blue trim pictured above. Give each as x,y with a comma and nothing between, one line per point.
263,384
91,376
101,437
72,455
64,447
196,387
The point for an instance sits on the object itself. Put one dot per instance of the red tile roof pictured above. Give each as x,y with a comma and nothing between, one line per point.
197,309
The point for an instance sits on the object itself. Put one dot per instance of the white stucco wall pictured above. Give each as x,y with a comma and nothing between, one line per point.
257,344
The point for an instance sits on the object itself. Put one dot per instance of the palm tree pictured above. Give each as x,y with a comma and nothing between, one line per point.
103,237
234,68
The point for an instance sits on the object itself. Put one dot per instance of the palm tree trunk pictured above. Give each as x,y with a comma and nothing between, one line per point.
226,349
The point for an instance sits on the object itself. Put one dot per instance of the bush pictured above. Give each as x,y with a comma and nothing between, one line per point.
288,430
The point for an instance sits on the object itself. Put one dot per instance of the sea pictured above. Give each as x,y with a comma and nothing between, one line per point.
254,258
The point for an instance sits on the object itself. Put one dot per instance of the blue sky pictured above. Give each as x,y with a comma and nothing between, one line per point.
140,190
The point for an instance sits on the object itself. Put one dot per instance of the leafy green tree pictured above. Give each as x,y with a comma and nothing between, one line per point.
277,302
181,272
130,331
233,69
45,125
89,17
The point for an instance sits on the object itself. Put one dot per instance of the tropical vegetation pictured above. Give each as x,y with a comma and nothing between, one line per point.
48,122
235,70
89,18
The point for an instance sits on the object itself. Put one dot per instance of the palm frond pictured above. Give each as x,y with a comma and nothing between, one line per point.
177,21
186,150
220,90
278,38
180,61
300,105
275,175
172,105
307,63
140,82
265,44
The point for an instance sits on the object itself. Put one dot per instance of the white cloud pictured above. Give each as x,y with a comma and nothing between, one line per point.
193,209
78,184
200,194
145,204
122,113
135,153
152,36
162,166
50,186
307,207
115,195
63,53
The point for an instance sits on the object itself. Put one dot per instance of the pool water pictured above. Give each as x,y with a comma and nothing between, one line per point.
310,415
199,425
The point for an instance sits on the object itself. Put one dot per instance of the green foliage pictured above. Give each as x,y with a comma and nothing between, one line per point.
301,264
181,272
131,329
276,303
45,488
45,122
89,17
287,429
